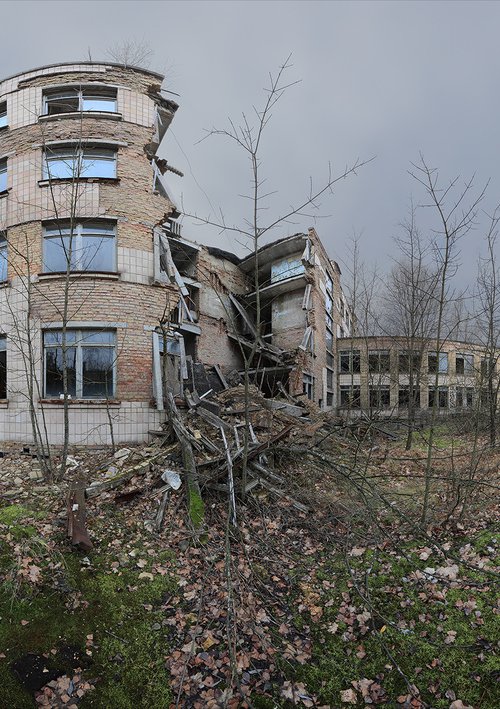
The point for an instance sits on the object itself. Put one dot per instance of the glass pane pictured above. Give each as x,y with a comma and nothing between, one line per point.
97,254
97,337
443,362
62,103
3,369
98,229
61,167
56,254
99,103
54,337
3,119
3,266
94,165
98,371
54,371
3,175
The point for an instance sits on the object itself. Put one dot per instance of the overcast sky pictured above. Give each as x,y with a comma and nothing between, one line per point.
384,79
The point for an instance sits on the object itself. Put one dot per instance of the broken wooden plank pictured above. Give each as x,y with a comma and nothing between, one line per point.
97,488
77,518
212,418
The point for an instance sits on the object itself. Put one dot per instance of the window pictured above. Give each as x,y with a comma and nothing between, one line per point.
350,397
435,360
379,361
487,367
350,361
329,378
308,385
380,397
3,257
464,364
459,398
329,283
67,163
329,304
329,339
329,399
3,115
70,100
289,267
442,400
90,361
404,397
469,397
409,358
89,247
3,175
3,367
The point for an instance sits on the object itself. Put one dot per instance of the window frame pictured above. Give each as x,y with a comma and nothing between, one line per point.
352,356
4,119
440,357
441,390
79,343
4,185
378,356
3,366
353,392
308,385
75,158
375,398
78,94
78,247
4,263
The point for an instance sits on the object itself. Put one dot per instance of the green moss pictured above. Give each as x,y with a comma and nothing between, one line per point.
196,508
14,513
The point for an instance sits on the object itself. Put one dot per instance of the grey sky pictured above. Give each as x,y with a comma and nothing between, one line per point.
388,79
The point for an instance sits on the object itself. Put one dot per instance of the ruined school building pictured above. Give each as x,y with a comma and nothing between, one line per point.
94,270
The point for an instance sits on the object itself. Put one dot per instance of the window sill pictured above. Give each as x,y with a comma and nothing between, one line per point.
69,180
58,275
4,403
110,115
83,403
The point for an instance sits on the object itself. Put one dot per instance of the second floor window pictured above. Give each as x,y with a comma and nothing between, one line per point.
3,257
3,175
464,364
72,100
349,361
437,362
379,361
89,246
75,162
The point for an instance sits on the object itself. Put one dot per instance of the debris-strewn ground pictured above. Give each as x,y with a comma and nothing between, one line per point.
343,605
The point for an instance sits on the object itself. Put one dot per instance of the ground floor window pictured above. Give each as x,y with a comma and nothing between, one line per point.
404,397
90,363
442,399
380,397
350,396
3,367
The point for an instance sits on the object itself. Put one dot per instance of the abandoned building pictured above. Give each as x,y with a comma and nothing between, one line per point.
102,296
96,279
380,374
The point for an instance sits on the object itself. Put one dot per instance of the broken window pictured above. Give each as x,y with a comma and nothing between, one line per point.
3,256
3,115
442,399
380,397
90,363
379,361
329,399
3,367
87,247
3,175
308,385
329,283
71,100
350,397
404,397
464,364
437,362
350,361
286,268
67,163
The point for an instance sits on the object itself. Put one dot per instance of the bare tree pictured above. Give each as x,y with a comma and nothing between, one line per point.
132,52
455,209
247,137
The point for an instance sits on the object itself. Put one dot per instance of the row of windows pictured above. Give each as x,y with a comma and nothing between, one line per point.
379,397
72,99
72,163
89,246
90,364
379,362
